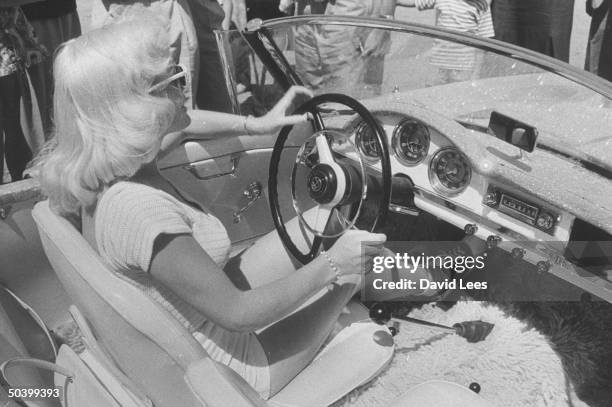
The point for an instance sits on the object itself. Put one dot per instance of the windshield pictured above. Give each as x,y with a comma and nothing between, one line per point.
457,77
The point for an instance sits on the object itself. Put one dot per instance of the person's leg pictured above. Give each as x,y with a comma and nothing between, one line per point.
251,269
506,21
562,12
17,151
2,174
308,61
51,32
211,93
292,343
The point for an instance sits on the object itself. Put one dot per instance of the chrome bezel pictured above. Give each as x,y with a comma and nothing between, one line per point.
397,146
358,134
435,181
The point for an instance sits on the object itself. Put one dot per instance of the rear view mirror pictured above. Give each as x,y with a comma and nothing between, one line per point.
513,131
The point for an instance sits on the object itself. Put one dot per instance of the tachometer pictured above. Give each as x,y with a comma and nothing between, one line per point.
366,142
411,142
449,171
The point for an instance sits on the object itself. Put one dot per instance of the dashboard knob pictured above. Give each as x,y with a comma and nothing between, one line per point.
380,313
493,241
545,221
475,387
491,199
543,266
470,229
518,253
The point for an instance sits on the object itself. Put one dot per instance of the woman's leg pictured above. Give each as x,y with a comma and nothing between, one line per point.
291,343
51,32
268,259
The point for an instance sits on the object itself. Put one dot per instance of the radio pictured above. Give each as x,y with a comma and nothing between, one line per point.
521,209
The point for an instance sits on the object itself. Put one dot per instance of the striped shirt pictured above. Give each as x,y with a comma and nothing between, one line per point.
458,15
130,217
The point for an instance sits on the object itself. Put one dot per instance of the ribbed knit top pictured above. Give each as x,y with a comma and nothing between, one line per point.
130,216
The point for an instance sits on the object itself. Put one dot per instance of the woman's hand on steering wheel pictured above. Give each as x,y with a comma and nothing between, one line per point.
354,249
277,118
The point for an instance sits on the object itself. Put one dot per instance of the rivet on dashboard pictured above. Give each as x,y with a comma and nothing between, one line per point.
518,253
470,229
543,266
493,241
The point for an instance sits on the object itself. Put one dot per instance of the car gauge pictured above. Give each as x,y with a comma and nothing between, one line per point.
411,142
367,142
449,171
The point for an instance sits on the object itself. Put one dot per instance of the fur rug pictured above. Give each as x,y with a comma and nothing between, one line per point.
515,366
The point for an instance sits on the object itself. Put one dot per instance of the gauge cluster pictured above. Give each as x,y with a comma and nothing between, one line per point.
446,184
419,151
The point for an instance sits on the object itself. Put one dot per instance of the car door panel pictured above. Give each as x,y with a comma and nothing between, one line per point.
222,178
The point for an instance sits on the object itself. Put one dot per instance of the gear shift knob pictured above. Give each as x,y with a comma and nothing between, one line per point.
380,313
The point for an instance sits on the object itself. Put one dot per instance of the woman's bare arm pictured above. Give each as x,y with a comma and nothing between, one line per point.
183,266
207,124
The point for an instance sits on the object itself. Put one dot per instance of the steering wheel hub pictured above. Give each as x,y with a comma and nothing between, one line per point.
322,183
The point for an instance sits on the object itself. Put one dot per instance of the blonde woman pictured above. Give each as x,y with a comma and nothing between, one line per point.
119,105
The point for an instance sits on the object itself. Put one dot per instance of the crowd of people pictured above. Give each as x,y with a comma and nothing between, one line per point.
31,30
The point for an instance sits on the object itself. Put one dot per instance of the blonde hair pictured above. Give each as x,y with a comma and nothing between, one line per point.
107,125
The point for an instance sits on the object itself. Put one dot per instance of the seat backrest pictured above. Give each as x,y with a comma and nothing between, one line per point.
145,341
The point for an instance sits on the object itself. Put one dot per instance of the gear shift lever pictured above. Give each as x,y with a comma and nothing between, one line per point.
473,331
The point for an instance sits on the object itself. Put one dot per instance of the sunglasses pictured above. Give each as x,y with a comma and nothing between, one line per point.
179,76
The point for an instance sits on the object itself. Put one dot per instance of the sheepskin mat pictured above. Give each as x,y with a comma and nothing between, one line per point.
515,365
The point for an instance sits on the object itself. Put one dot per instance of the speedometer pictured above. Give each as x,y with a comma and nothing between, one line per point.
366,141
411,142
449,171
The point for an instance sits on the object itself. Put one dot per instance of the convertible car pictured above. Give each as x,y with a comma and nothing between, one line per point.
435,137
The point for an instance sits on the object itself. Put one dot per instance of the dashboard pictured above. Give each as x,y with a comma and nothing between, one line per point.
448,184
452,186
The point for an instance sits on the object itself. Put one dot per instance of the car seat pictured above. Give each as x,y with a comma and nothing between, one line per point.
22,335
165,362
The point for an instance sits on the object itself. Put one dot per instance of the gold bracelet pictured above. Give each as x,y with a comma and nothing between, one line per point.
332,265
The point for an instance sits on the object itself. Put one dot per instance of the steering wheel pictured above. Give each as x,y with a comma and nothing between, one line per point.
332,182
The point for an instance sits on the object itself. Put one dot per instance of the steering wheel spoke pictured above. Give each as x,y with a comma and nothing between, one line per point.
325,153
322,215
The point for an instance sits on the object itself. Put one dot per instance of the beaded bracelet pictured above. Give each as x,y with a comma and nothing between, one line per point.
332,265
